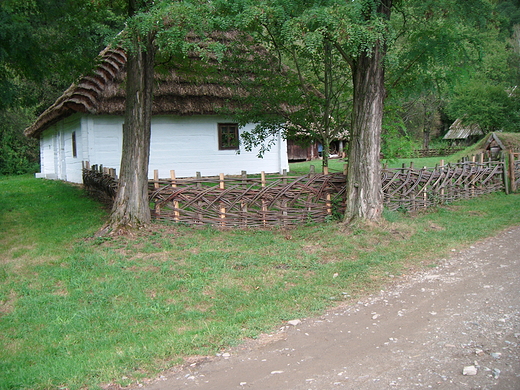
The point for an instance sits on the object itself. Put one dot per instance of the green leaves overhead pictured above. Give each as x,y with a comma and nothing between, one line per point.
490,106
44,40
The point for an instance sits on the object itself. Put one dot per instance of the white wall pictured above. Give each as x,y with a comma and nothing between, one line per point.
190,144
184,144
105,140
47,151
72,164
56,157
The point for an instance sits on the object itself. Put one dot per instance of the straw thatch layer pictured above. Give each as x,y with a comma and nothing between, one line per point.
199,88
84,96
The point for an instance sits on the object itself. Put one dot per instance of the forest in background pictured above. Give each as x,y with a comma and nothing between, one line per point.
45,45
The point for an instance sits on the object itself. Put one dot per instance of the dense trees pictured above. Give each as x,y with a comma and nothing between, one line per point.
44,46
402,50
425,58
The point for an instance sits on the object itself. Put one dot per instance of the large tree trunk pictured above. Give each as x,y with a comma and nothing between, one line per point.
131,207
364,193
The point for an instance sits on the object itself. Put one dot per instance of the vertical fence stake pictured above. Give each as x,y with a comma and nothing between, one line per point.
199,203
328,202
425,193
441,172
156,187
156,179
472,177
176,211
512,178
284,201
505,175
222,186
243,204
264,203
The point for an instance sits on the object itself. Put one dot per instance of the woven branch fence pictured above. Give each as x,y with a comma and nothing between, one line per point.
281,200
413,189
514,171
249,201
438,152
101,182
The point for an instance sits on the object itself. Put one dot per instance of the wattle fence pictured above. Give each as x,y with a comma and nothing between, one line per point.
249,201
282,200
411,189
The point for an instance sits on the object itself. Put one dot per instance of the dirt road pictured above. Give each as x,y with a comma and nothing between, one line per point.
423,332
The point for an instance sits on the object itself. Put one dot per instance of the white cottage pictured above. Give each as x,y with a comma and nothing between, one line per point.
189,132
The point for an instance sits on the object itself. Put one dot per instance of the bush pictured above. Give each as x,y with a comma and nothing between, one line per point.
18,154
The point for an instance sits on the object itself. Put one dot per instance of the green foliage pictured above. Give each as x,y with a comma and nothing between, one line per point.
44,46
18,154
510,12
395,141
439,48
491,106
44,38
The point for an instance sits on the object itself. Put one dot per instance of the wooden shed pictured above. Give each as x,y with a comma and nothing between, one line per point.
497,142
463,134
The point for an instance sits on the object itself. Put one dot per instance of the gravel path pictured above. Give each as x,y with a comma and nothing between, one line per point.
456,326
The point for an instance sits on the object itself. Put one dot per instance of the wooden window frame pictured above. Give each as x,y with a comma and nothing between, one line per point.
224,130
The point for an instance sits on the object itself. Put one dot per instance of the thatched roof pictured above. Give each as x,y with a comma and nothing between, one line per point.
195,88
460,131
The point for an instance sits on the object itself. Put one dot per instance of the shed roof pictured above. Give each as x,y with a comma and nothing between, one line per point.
458,130
506,141
192,87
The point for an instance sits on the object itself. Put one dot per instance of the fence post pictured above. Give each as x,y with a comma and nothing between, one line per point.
512,178
472,177
505,175
328,203
425,192
412,196
176,213
284,201
264,203
222,186
199,203
243,204
441,172
156,187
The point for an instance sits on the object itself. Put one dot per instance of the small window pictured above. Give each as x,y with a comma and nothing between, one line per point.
74,148
228,136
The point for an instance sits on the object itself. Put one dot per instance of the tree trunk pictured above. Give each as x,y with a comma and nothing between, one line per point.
426,137
131,207
364,192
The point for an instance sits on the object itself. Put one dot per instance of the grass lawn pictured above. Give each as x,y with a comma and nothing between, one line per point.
79,312
336,165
